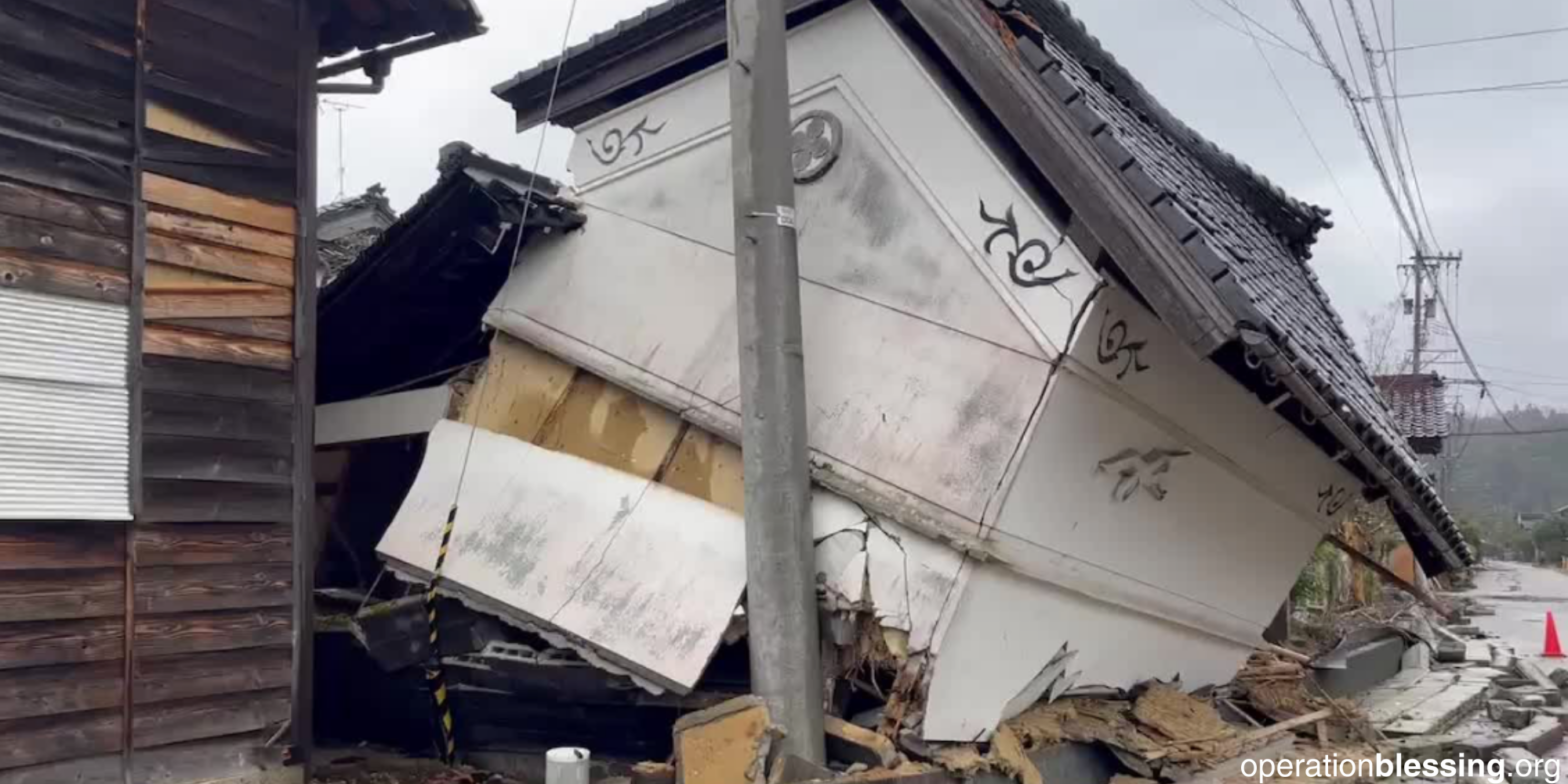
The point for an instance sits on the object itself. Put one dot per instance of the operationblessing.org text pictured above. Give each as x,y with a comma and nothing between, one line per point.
1381,767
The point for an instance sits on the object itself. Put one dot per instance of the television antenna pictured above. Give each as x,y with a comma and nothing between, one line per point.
341,107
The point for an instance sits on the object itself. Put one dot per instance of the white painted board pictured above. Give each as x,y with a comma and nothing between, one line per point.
382,416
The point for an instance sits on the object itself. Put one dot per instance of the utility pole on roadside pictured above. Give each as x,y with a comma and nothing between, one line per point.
781,595
1420,265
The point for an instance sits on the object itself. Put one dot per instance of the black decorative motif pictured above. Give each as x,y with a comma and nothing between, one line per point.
1114,346
815,142
1025,272
1332,498
614,142
1136,470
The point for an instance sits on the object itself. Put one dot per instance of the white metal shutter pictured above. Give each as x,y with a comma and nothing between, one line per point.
64,409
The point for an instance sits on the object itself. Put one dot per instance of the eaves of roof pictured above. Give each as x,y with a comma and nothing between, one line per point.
367,24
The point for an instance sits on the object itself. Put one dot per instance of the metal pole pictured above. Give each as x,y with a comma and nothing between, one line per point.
1418,338
781,602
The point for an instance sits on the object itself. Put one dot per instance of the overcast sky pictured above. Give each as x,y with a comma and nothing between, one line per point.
1493,167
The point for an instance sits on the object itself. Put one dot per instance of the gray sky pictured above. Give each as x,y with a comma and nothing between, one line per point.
1493,166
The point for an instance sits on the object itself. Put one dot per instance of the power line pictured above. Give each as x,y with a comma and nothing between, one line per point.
1307,132
1545,431
1387,122
1399,113
1479,39
1491,88
1277,42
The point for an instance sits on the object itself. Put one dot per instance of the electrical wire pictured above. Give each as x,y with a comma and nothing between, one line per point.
1392,63
1559,83
1277,43
1389,129
1478,39
1279,85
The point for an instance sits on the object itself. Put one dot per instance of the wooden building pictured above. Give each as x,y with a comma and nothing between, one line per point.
157,288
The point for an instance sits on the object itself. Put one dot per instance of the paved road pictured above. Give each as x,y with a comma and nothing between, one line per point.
1522,595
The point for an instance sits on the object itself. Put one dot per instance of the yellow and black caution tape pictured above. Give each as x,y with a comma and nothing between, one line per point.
435,672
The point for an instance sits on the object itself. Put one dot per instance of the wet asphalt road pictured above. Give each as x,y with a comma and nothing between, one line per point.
1522,595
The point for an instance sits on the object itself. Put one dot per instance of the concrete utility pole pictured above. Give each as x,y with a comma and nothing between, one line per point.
781,596
1420,265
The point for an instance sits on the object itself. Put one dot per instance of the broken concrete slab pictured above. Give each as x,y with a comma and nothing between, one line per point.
1495,708
1518,764
1541,734
1478,746
1416,703
1450,651
850,744
1532,701
1516,718
728,743
1466,630
1420,746
1559,676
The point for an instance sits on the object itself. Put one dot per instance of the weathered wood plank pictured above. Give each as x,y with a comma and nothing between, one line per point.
166,414
160,305
49,127
57,594
168,277
67,90
207,81
167,678
258,267
49,691
58,39
272,135
174,121
194,227
47,239
269,21
208,717
52,545
51,276
226,630
105,769
199,38
55,738
236,760
178,589
212,203
60,642
190,544
179,501
195,377
216,460
32,163
115,17
265,328
174,342
65,209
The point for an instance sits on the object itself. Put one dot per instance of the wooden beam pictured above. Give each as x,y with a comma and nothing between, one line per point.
1388,575
45,643
63,278
56,594
225,630
218,303
49,691
35,546
303,721
174,342
193,227
212,203
191,544
178,589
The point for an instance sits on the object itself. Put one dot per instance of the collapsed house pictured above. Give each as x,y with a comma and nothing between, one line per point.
1079,409
157,298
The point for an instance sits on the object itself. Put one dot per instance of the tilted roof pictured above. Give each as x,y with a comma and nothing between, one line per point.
1417,400
367,24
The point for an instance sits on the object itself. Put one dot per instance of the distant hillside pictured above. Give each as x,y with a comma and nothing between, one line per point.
1499,477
